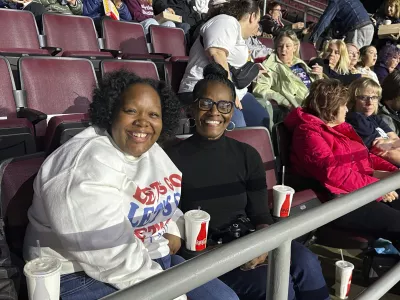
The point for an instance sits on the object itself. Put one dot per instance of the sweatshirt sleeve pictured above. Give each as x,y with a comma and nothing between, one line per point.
317,158
257,208
124,13
325,20
91,6
135,9
76,9
85,211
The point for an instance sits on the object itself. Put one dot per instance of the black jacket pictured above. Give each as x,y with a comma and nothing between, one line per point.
182,8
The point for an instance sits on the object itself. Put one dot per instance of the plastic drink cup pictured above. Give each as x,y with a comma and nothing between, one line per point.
283,196
43,278
387,22
343,276
196,229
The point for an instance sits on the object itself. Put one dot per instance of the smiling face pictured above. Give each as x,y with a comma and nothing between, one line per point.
353,54
212,124
367,101
137,124
286,49
369,59
333,55
391,9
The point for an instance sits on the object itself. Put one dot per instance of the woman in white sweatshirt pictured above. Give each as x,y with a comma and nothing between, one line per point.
105,203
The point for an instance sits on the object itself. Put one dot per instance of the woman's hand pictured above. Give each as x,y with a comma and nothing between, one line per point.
382,144
389,197
238,103
174,242
318,71
254,262
71,2
298,25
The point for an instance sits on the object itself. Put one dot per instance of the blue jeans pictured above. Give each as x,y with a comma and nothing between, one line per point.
306,280
238,119
79,286
253,112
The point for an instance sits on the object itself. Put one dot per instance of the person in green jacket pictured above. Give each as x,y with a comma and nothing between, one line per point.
73,7
288,78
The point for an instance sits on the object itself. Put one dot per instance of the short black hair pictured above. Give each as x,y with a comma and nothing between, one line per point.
213,72
107,100
239,8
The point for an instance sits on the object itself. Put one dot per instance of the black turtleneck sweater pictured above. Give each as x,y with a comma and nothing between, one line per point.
224,177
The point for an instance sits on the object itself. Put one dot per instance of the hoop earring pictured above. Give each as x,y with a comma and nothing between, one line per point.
188,121
232,128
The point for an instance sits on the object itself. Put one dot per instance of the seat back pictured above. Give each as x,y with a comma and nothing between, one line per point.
259,138
174,72
69,32
17,179
125,36
269,43
18,29
145,69
307,51
7,88
57,85
168,40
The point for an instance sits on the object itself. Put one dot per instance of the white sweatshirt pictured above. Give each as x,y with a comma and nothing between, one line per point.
102,211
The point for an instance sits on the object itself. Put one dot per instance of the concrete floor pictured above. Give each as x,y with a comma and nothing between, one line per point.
328,257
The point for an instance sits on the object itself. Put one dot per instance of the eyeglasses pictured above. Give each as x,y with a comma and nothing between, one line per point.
368,98
224,107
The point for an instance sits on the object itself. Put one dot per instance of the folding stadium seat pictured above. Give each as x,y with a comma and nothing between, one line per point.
326,235
16,135
129,38
307,51
76,35
55,86
60,129
142,68
168,40
269,43
175,69
19,34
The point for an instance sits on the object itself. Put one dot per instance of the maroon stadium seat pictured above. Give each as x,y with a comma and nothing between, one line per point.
175,69
7,88
307,51
168,40
19,33
62,128
76,35
145,69
269,43
56,85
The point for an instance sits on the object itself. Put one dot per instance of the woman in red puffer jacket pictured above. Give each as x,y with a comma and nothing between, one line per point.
327,149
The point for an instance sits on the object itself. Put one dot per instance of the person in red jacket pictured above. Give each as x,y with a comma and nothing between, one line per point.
327,149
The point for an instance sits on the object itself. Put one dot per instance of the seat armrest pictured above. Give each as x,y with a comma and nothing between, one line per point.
53,50
115,53
165,55
33,115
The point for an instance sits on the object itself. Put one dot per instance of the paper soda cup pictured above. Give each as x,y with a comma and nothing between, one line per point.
43,278
196,229
283,196
343,275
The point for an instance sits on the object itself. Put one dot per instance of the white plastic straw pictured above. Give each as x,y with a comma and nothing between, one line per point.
40,249
283,175
341,254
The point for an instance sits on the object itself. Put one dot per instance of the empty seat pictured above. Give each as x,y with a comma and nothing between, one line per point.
307,51
168,40
76,35
7,88
56,85
269,43
145,69
19,33
62,128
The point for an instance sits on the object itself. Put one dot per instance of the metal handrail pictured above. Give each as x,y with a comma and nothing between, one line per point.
193,273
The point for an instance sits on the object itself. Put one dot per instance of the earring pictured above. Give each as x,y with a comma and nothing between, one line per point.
189,124
233,124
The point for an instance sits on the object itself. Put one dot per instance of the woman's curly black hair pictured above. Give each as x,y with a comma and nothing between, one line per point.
107,100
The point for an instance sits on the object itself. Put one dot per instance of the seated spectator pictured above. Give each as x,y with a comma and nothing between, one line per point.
390,108
181,8
245,181
335,61
95,10
73,7
288,78
388,59
327,149
368,57
349,19
271,23
354,56
258,51
37,9
375,133
90,209
223,40
389,12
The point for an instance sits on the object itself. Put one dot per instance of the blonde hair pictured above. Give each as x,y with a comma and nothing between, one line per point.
343,64
291,35
396,4
359,85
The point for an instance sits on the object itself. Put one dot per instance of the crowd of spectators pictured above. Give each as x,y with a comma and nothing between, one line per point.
341,108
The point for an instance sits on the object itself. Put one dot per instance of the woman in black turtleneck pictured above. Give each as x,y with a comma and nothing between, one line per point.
226,178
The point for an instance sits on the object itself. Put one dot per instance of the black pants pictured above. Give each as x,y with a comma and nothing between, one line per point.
378,219
37,9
